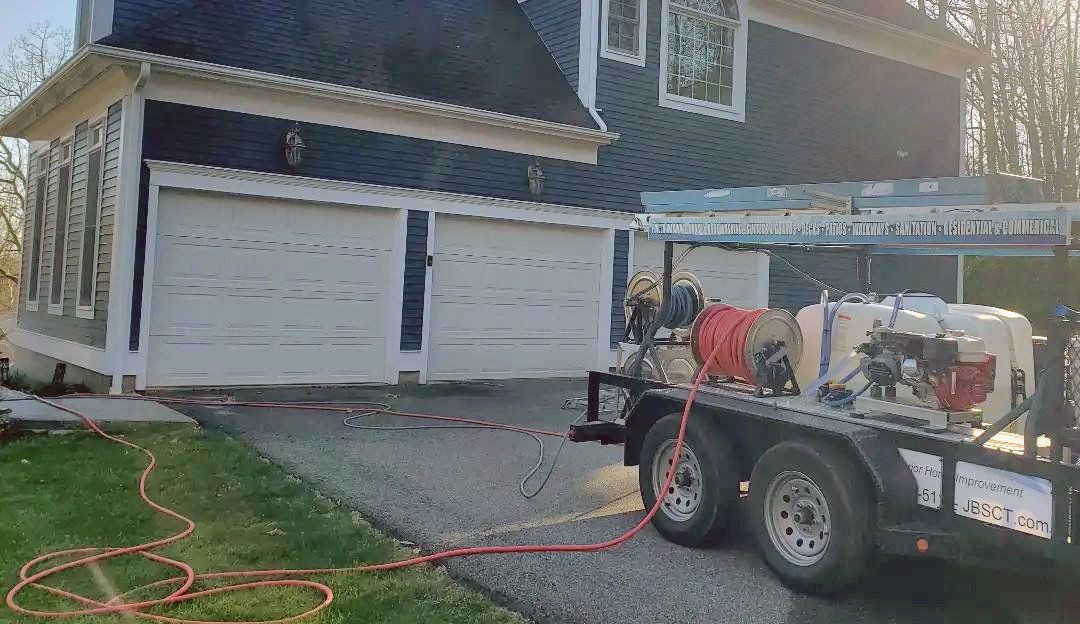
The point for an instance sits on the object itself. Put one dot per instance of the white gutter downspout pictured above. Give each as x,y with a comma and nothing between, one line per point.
588,51
122,271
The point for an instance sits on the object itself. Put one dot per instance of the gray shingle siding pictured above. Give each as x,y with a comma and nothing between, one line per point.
620,277
90,332
559,24
930,274
415,280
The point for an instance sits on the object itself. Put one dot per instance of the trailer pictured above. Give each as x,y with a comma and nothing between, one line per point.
836,485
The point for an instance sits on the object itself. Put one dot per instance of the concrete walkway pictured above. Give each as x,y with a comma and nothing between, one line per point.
29,413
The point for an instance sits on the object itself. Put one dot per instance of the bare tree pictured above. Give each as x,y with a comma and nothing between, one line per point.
26,63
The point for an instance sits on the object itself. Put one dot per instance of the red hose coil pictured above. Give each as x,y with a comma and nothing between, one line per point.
723,330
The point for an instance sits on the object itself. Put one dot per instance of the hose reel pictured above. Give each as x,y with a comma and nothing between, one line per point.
645,301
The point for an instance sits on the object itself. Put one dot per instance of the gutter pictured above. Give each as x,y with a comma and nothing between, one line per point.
321,89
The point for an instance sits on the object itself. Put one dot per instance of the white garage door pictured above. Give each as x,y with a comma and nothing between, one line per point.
513,300
260,291
737,278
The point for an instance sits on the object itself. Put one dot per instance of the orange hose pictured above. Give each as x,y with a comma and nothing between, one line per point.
723,331
273,578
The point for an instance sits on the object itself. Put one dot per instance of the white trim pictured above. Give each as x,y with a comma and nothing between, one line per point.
764,279
588,50
737,110
960,267
83,356
395,299
643,30
235,181
122,268
81,311
142,356
199,83
425,330
866,34
607,280
58,308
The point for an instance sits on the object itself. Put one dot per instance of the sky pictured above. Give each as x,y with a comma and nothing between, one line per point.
16,15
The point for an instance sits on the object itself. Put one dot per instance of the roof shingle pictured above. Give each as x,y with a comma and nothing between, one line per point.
481,54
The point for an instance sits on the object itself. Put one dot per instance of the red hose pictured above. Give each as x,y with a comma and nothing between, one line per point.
270,578
723,331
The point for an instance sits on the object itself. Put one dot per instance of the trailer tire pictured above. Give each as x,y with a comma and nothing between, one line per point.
699,509
812,515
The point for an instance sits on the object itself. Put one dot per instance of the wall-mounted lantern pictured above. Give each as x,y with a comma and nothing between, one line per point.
294,147
536,179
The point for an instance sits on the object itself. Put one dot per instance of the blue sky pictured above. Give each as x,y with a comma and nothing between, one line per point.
16,15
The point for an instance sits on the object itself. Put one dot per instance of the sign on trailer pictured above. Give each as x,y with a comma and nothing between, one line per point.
1008,499
1035,228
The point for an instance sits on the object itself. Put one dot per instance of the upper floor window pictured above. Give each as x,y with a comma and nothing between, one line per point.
703,57
623,30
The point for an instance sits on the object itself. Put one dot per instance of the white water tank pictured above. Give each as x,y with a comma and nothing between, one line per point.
1006,334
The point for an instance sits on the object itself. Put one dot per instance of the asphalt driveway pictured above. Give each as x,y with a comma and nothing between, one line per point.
443,489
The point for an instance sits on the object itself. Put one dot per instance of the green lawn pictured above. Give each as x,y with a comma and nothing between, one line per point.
71,491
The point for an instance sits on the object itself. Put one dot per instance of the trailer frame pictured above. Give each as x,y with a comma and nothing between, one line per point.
902,526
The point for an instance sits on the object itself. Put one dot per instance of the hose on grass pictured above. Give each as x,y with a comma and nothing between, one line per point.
35,573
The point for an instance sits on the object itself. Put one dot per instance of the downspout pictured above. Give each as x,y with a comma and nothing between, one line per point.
124,234
588,52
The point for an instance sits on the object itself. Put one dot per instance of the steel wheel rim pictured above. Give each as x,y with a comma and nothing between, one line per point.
797,518
683,498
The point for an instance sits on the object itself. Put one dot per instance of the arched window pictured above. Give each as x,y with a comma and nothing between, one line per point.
703,57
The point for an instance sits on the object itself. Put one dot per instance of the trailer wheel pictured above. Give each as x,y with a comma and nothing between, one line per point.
698,505
811,513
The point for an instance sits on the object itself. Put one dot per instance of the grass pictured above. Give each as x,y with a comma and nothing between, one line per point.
72,491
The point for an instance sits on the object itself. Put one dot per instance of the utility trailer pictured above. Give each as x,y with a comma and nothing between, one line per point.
833,488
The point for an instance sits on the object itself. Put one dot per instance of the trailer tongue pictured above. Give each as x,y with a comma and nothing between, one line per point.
904,461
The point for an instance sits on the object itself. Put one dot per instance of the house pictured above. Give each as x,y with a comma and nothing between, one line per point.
236,192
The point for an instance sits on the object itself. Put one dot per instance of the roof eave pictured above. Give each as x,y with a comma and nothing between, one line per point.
970,55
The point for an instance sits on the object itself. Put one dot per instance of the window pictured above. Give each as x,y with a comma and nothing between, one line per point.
624,31
703,57
88,254
56,282
38,225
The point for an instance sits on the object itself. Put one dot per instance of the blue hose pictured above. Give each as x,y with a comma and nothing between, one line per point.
831,312
849,399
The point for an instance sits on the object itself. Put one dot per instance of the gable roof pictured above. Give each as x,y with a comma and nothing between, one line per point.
900,13
482,54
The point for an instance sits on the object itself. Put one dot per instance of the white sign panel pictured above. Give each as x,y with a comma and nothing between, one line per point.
927,471
1015,501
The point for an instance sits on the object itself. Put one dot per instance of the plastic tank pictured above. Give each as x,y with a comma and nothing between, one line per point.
1006,334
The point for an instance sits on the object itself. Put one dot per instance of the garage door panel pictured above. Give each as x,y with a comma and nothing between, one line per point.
565,280
513,299
737,278
257,291
512,358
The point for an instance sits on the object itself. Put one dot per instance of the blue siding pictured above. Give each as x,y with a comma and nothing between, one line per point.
559,25
416,268
620,277
931,274
815,112
888,274
791,291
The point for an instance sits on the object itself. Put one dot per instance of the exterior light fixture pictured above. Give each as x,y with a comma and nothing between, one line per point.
536,179
294,147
